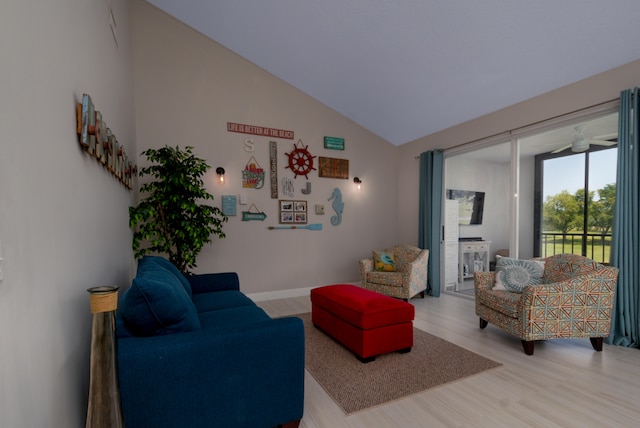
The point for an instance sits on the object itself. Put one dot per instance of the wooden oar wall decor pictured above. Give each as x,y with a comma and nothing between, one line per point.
315,226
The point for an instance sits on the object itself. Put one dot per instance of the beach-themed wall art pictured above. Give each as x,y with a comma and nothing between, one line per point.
229,207
99,141
300,160
259,130
273,168
337,205
253,213
287,187
253,175
333,168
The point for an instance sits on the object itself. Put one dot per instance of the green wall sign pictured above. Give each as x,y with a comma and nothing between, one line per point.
334,143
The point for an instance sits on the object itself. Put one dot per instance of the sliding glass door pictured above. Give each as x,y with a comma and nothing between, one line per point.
575,196
549,188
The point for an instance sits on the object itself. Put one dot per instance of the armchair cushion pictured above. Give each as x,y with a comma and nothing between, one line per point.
157,304
384,261
514,274
391,279
505,302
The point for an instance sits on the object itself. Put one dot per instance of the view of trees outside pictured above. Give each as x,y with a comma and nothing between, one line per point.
564,212
563,217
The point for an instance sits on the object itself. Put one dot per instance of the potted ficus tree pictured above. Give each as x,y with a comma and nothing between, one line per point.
172,218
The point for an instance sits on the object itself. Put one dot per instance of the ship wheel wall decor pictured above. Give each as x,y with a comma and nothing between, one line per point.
300,160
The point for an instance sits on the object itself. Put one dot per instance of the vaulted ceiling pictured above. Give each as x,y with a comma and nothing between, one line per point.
405,69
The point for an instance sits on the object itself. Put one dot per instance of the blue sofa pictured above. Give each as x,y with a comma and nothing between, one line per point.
194,351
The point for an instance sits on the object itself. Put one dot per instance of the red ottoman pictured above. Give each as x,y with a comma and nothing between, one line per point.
366,322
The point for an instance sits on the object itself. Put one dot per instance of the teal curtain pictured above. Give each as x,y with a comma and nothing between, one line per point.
625,247
430,214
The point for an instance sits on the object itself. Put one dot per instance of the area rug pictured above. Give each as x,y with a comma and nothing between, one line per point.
356,386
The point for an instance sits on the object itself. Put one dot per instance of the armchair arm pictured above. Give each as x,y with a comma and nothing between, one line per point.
575,301
205,283
419,263
483,280
415,273
366,265
242,376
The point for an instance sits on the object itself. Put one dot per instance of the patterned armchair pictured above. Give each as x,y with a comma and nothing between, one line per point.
575,299
408,279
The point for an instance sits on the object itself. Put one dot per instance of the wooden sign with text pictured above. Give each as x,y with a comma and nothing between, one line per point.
259,130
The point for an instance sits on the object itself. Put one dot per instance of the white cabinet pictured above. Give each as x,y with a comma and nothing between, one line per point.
473,257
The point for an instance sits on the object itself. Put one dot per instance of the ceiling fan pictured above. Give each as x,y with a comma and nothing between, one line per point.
580,143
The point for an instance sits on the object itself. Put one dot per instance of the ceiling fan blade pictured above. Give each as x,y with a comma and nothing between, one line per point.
558,150
602,142
606,136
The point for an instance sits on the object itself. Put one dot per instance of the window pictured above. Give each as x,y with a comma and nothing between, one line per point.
573,202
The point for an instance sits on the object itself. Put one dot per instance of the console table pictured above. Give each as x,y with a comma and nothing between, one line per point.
473,257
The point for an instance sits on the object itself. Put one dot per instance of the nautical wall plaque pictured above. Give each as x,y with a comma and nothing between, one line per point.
333,168
300,160
229,205
334,143
253,215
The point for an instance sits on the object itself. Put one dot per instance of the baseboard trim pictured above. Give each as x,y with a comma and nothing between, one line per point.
284,294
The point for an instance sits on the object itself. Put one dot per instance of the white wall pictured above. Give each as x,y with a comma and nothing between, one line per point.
187,89
63,219
464,173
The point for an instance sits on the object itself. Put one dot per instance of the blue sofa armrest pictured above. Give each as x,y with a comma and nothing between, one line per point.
208,282
242,376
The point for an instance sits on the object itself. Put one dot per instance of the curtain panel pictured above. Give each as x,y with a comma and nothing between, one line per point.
430,214
625,247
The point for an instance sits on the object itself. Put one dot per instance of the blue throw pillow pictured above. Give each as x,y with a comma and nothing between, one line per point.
162,262
157,304
514,274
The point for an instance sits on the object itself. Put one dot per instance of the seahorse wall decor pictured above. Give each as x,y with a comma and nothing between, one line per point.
337,205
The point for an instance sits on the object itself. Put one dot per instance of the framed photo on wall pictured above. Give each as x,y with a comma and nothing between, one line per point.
293,212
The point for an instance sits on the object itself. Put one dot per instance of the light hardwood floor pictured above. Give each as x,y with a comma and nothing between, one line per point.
564,384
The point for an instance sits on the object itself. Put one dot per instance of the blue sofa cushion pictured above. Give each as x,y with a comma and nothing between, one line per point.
214,301
170,267
157,304
232,317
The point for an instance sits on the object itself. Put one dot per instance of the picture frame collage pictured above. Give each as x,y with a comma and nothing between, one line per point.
293,212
